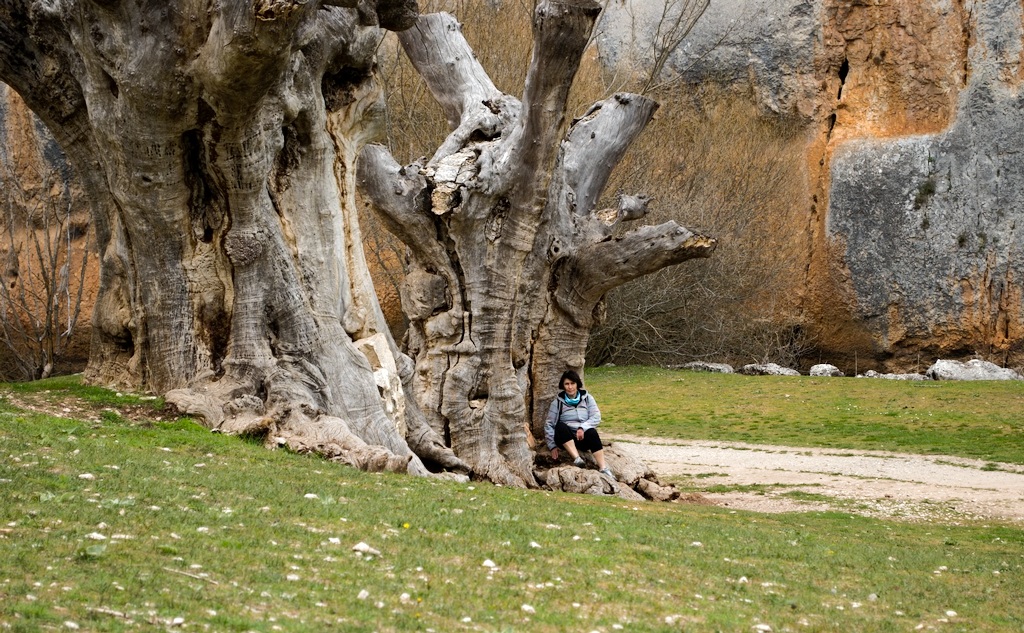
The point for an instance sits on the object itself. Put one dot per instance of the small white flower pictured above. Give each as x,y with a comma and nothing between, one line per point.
363,595
528,609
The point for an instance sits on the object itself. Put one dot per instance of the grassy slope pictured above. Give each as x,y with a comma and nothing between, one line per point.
224,535
969,419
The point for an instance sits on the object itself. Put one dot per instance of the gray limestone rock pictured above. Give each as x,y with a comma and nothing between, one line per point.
973,369
717,368
768,369
770,43
929,223
874,374
826,370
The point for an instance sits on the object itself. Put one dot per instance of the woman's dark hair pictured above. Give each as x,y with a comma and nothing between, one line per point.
571,375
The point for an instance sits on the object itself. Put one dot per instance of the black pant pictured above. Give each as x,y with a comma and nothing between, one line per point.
591,440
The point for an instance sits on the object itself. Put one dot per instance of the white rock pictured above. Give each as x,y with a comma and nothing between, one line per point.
489,563
528,609
768,369
363,548
973,369
96,536
292,577
71,625
363,595
763,627
311,495
825,369
951,614
87,476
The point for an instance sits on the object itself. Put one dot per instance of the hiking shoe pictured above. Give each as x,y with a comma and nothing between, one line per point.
607,472
579,463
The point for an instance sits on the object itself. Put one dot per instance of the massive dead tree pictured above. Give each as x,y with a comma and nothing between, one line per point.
216,142
509,255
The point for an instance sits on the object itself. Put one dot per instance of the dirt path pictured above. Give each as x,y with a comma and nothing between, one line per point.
875,483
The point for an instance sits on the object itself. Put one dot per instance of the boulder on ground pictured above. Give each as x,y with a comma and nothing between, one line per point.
973,369
825,369
768,369
715,368
871,373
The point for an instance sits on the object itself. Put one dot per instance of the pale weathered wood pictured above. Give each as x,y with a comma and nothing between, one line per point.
508,257
217,143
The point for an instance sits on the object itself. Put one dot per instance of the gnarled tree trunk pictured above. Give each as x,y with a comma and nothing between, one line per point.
509,256
216,141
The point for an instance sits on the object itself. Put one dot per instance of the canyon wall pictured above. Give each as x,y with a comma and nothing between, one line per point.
913,159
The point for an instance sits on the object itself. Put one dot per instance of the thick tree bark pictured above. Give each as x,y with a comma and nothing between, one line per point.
509,257
217,142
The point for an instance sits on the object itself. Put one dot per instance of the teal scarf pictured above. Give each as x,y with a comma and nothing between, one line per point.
572,401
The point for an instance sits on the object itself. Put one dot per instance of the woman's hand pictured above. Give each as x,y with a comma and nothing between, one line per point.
554,453
579,434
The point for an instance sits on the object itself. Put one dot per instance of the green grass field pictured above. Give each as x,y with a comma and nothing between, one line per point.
116,524
983,420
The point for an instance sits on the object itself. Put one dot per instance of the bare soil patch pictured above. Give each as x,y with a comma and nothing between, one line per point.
873,483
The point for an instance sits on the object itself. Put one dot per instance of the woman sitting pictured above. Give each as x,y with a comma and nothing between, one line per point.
572,423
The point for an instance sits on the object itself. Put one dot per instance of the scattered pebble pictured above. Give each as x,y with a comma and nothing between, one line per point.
489,563
363,595
528,609
363,548
87,476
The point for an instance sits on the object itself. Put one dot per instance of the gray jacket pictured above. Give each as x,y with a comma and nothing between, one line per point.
584,415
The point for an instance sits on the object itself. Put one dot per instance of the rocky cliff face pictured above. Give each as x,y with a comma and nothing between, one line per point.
928,221
914,163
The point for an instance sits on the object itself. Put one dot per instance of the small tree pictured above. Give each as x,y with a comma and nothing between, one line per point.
46,255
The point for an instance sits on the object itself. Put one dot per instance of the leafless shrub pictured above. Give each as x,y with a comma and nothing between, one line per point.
45,254
714,164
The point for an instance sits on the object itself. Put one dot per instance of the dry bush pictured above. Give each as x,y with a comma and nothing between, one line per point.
715,165
46,258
